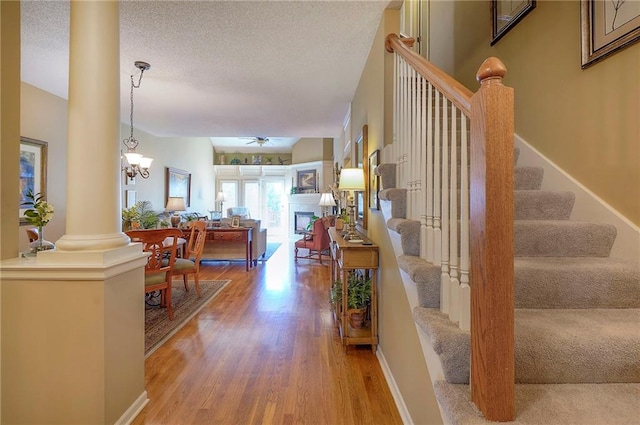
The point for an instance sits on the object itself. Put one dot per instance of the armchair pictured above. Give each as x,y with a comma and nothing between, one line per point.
315,242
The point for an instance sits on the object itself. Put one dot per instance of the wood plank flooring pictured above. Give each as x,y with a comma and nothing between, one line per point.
266,351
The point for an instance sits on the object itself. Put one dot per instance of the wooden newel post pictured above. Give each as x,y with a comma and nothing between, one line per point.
492,305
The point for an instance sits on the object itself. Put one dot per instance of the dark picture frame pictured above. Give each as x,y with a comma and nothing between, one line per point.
505,14
374,180
33,171
307,181
607,27
177,183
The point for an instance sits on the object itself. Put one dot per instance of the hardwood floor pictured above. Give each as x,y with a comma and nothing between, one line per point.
266,351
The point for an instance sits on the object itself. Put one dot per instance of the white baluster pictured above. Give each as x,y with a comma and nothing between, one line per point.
454,286
429,172
444,266
465,289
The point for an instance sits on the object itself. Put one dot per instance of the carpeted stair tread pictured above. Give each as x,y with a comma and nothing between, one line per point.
561,404
409,231
426,277
398,201
543,205
387,173
449,342
528,178
552,346
577,345
551,282
562,238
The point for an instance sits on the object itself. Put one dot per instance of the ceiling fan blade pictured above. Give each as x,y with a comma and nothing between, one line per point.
254,141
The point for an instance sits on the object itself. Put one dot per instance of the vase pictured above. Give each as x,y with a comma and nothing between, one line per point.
40,244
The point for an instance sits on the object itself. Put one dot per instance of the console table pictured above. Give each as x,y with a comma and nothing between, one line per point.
346,258
233,235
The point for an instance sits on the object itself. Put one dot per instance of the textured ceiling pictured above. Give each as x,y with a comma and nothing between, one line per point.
277,69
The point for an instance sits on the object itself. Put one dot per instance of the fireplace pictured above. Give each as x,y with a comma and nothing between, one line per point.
300,221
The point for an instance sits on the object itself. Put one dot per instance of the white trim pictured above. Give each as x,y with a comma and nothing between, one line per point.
588,206
134,410
393,387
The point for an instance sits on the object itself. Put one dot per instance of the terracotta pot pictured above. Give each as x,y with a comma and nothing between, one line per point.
356,317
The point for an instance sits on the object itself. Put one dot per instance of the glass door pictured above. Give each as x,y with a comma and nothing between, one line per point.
274,211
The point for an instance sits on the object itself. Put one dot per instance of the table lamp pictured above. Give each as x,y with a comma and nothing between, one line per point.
351,179
175,204
326,200
220,198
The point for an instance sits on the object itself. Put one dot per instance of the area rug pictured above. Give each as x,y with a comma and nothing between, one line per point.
157,326
271,248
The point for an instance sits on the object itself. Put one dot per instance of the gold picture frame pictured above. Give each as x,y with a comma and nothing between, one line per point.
33,171
177,183
607,27
235,221
374,180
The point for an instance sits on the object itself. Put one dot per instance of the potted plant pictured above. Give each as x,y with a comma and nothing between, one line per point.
269,160
335,295
358,298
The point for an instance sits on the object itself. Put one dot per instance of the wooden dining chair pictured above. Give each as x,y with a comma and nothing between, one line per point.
158,270
190,263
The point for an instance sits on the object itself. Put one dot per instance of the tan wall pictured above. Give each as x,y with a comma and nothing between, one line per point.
96,364
191,154
9,126
44,117
398,336
308,149
586,121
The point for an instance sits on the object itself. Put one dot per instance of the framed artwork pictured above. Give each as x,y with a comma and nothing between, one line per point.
505,14
361,153
177,183
33,170
235,221
374,180
130,198
607,27
307,181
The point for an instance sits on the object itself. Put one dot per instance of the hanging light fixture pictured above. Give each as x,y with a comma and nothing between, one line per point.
135,162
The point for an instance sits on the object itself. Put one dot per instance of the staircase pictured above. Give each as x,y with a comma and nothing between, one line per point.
577,317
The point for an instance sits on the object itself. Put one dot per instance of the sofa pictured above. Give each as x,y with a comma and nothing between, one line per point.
236,251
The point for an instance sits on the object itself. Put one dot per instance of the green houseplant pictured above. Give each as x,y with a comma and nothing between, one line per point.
358,297
140,215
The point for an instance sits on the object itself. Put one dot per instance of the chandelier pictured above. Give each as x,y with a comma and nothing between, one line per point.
135,162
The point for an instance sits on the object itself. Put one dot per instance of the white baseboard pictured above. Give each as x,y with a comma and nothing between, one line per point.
134,410
393,387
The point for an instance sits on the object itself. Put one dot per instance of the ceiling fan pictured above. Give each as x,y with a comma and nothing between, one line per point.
259,140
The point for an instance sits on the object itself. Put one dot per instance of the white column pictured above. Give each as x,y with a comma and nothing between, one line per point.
93,173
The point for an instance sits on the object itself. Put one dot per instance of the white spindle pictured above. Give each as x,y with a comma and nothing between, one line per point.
454,285
437,232
465,289
429,165
444,265
423,169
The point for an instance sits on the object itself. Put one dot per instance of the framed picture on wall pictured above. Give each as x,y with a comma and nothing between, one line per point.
374,180
307,181
130,198
607,26
33,170
505,14
177,183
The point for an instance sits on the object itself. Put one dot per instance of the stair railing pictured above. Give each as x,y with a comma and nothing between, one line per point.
453,151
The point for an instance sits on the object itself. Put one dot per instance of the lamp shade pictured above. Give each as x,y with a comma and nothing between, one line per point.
351,179
326,200
175,203
220,197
